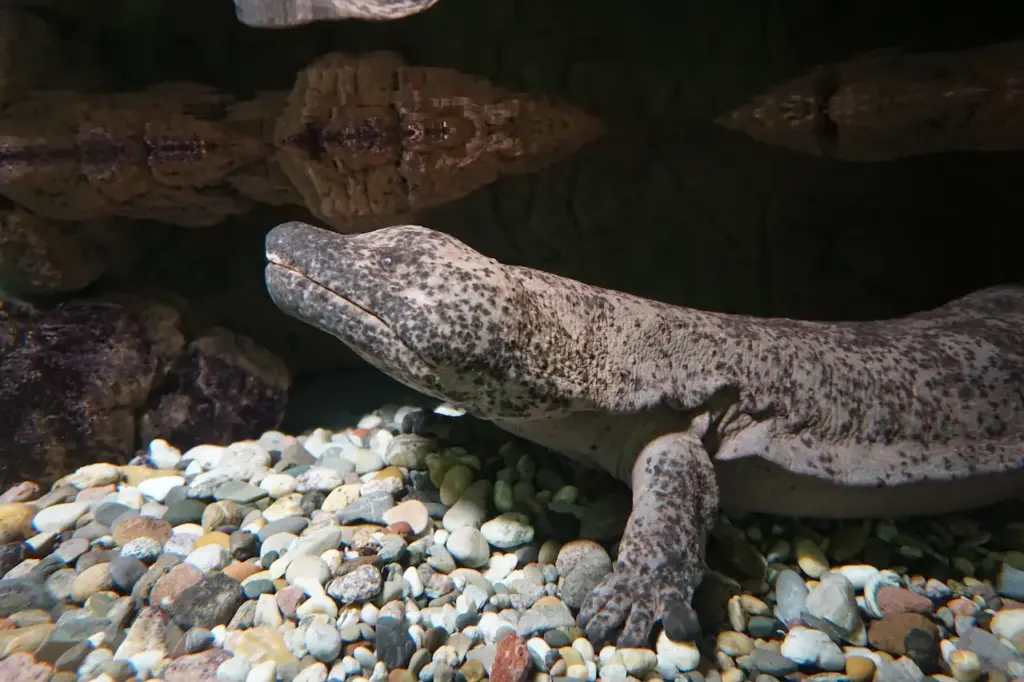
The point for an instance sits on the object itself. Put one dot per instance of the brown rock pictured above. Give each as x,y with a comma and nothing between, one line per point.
893,600
890,633
962,606
173,583
288,600
512,662
860,669
42,256
134,527
24,639
72,377
215,538
21,667
228,389
240,570
95,493
490,132
16,521
221,513
201,667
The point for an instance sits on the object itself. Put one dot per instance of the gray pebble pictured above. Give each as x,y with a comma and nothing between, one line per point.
240,492
370,508
771,662
790,595
198,639
289,524
125,571
323,642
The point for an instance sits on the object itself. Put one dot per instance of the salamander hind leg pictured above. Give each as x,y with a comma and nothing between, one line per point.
661,557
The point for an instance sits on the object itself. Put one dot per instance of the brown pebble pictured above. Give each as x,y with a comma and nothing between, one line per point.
962,606
400,528
201,667
24,639
16,521
95,493
512,662
141,527
901,600
240,570
288,600
401,675
890,633
214,538
860,669
22,667
171,584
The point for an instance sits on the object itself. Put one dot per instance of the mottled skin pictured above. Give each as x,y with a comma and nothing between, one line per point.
286,13
918,415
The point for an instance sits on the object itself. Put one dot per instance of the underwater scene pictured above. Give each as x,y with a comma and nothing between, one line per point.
531,341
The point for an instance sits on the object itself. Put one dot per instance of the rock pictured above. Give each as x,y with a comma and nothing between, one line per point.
208,603
469,547
16,521
683,656
201,667
806,646
771,662
94,579
370,509
323,641
508,530
395,646
512,662
159,487
1008,624
832,606
94,475
890,633
892,600
147,633
59,517
581,565
141,527
125,571
791,595
412,512
1010,582
21,667
357,586
965,665
810,558
547,613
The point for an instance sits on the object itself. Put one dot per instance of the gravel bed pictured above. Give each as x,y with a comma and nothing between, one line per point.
367,554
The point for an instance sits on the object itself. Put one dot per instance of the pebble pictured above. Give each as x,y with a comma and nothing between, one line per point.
357,555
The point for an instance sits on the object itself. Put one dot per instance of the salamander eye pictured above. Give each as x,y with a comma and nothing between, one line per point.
385,260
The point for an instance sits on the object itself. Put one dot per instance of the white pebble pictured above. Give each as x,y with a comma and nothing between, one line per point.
157,488
369,613
130,497
209,558
508,530
278,485
94,475
162,454
683,656
267,613
264,671
411,578
638,662
59,517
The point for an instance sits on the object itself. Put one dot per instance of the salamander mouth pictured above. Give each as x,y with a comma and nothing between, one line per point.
360,329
